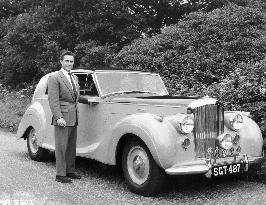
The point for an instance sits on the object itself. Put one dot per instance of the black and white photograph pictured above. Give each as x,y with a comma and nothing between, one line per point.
132,102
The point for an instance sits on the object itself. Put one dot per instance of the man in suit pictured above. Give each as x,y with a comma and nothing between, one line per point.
63,95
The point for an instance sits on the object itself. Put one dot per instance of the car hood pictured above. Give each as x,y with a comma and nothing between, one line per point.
156,100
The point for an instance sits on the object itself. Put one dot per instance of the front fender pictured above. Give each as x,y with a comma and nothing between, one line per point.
251,138
161,138
33,117
251,141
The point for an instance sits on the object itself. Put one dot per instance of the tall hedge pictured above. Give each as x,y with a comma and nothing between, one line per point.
244,89
220,54
202,49
27,48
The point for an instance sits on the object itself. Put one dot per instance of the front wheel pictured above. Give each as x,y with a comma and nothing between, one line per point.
141,172
36,152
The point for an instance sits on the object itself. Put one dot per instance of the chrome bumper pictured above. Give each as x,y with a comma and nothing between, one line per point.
204,166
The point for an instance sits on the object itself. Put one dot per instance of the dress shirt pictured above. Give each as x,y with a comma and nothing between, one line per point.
68,77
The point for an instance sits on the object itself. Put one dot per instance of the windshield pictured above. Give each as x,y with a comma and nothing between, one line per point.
130,82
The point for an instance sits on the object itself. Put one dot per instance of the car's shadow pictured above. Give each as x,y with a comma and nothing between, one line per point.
93,168
173,184
185,186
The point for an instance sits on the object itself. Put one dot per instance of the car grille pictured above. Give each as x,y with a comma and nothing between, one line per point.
208,124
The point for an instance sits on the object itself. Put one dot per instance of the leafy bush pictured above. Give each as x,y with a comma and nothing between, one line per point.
244,89
220,53
13,103
202,49
92,56
24,49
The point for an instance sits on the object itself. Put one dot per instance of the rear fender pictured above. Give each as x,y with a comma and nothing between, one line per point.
33,117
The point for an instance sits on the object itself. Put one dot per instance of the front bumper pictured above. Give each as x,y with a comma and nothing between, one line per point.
204,166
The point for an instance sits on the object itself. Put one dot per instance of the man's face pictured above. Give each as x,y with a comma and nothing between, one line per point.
67,62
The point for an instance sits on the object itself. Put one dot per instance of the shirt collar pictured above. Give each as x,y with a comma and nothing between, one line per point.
65,72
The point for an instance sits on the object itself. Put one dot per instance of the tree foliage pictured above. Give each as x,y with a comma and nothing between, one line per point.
202,49
214,47
93,56
219,53
24,47
160,13
33,32
244,89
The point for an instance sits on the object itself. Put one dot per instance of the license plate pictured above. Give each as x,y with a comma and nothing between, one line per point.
229,169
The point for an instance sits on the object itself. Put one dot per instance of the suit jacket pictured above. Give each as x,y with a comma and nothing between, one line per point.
62,100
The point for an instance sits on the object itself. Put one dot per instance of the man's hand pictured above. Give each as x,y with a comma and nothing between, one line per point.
61,122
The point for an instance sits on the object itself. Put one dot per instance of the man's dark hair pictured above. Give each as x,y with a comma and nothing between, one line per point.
66,53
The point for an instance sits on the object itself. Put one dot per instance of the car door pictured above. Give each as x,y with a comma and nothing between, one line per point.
90,130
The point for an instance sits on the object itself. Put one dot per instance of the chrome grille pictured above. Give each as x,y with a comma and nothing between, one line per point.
208,124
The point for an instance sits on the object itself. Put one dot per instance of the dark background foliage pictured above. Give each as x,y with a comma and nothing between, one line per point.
199,47
33,32
220,53
202,48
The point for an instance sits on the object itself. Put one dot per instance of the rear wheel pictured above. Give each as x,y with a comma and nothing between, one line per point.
36,152
141,172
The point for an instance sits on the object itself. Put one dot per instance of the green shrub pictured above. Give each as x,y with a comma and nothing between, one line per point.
23,48
244,89
92,56
13,104
202,49
220,53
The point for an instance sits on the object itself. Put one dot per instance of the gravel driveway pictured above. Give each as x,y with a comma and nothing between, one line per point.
23,181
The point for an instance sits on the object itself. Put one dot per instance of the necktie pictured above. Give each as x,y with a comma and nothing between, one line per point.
73,85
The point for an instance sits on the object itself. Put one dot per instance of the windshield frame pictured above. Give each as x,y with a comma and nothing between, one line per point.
95,75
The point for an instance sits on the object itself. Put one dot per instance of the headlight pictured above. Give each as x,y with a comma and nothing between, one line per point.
236,121
186,124
225,141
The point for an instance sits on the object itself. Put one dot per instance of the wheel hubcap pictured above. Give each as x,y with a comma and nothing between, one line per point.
138,165
33,141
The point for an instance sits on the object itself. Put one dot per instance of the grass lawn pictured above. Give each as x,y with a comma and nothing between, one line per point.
13,104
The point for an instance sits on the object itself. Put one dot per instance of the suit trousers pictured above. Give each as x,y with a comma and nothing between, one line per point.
65,149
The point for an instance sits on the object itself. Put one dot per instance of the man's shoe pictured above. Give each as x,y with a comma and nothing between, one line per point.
73,176
62,179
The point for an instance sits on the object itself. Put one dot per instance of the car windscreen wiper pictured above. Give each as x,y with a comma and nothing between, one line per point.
128,92
137,91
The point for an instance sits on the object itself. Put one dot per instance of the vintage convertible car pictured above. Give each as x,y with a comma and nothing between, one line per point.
127,118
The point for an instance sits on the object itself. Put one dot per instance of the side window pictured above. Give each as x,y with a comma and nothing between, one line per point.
87,85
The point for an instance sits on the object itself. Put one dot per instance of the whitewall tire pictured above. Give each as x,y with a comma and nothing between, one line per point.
142,174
